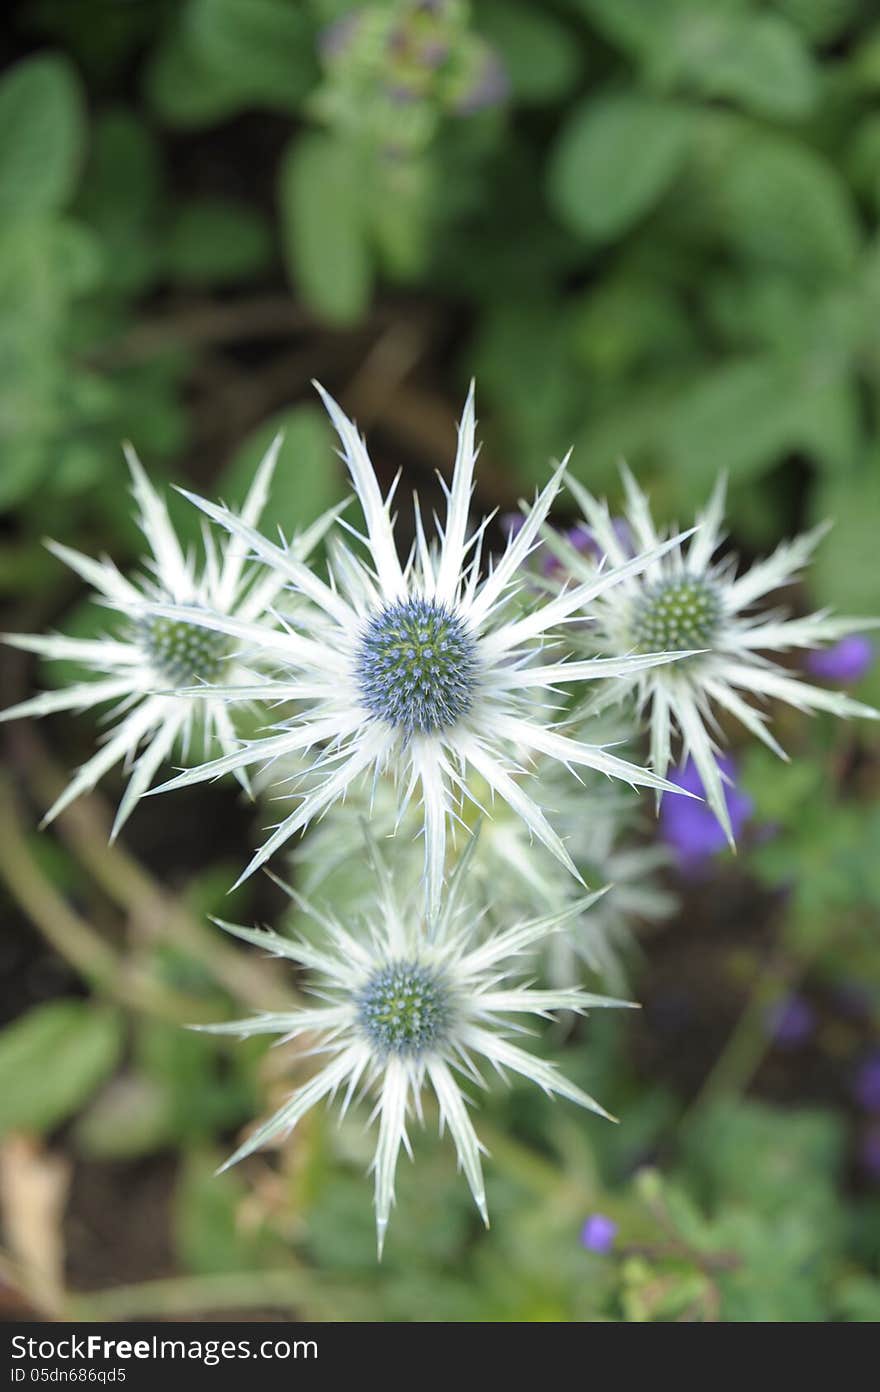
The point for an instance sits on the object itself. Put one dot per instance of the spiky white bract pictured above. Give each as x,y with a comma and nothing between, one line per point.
509,875
406,1007
599,827
136,668
688,599
431,669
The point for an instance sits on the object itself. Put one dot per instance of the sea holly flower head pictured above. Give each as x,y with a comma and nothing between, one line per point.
689,601
405,1007
433,669
134,668
508,874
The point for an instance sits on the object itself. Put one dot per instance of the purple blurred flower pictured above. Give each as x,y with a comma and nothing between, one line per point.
846,663
867,1083
691,828
435,52
511,524
335,39
598,1233
581,538
490,87
791,1021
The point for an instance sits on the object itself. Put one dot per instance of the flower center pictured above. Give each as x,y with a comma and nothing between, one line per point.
184,653
416,667
404,1008
675,615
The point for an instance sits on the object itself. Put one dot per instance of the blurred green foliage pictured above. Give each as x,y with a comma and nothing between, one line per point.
659,220
653,230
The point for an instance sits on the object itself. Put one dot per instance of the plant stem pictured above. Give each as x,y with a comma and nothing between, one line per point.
294,1291
71,936
85,827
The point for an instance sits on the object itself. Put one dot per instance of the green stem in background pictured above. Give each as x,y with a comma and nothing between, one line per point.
71,936
295,1291
749,1041
85,828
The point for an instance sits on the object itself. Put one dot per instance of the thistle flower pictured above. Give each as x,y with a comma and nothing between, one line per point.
406,1006
508,875
149,653
427,669
599,827
686,600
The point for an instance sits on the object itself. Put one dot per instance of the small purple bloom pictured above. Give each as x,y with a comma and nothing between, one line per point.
598,1233
845,663
791,1021
867,1083
691,828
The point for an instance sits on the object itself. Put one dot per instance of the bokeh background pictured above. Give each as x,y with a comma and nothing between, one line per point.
649,230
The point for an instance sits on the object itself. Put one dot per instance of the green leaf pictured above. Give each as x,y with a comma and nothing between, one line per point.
400,223
845,567
52,1059
614,160
632,24
213,241
523,364
738,417
819,20
863,158
123,178
130,1117
308,477
121,196
539,54
830,428
42,134
784,205
266,47
858,1300
44,264
323,226
760,61
184,91
628,428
